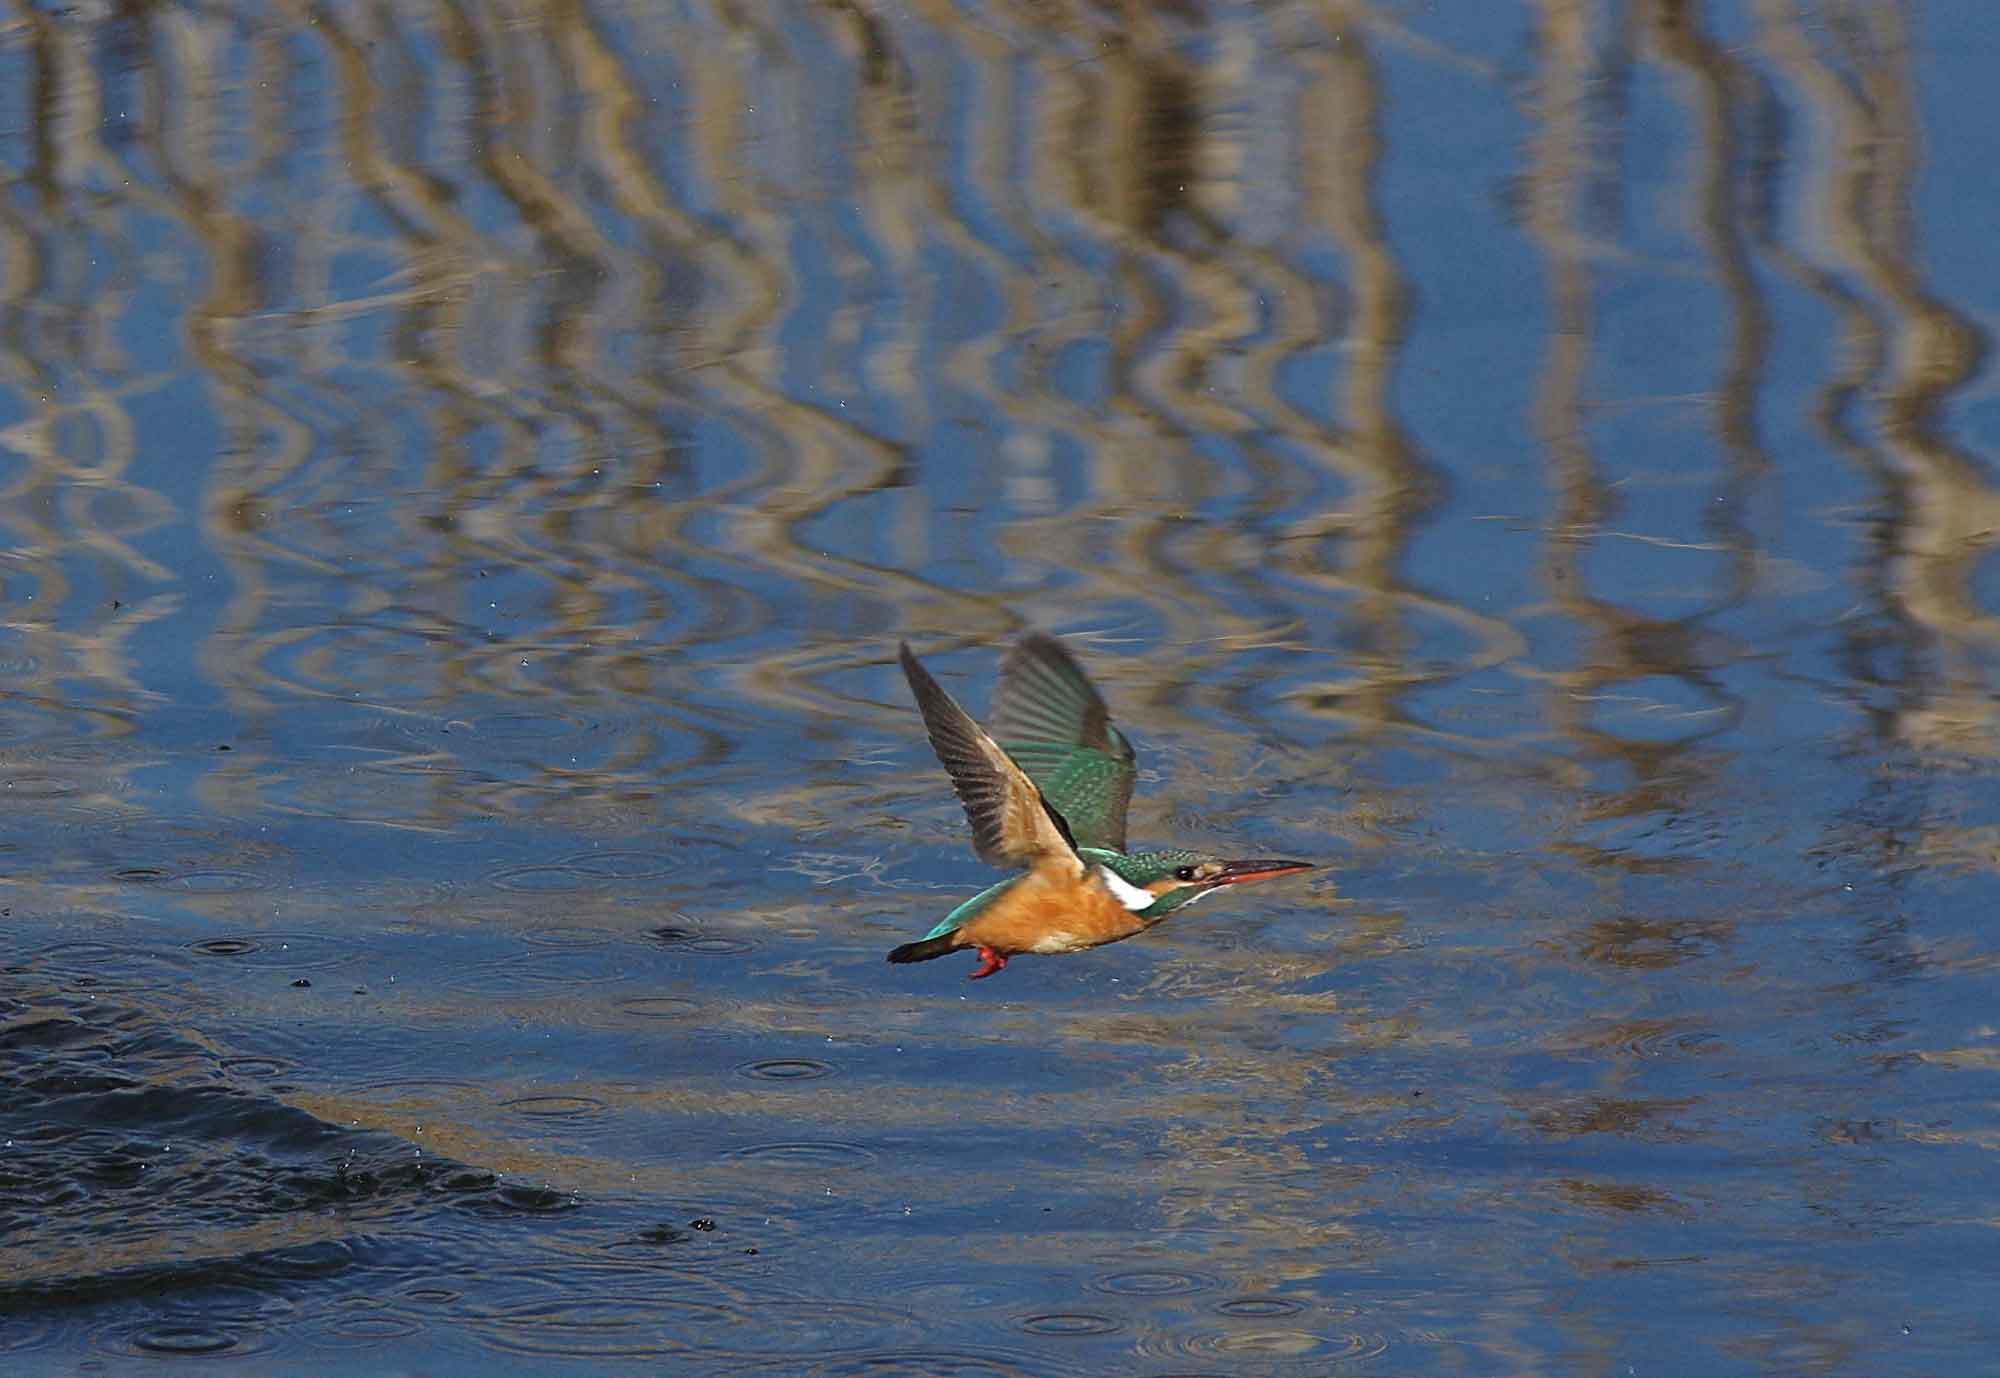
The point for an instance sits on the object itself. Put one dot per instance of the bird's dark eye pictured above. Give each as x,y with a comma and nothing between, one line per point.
1184,873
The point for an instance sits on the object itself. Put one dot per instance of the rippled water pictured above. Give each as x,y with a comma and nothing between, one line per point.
464,472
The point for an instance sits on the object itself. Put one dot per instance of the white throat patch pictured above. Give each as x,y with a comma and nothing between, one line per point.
1129,895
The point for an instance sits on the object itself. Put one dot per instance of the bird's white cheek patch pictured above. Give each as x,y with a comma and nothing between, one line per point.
1129,895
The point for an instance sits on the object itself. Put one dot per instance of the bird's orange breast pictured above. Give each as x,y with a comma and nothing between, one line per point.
1051,912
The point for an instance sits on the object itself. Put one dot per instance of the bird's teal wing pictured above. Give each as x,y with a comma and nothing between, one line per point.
1050,718
972,907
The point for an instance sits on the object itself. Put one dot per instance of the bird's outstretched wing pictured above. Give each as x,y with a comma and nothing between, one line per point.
1052,721
1012,824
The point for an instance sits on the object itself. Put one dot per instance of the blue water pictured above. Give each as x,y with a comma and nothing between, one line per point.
465,472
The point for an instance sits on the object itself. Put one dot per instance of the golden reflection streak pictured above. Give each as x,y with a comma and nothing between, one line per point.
264,439
614,135
445,256
1144,148
1214,1174
1124,158
1386,487
1554,207
1111,540
1945,514
58,343
495,521
815,459
1717,85
1111,147
618,412
1131,507
520,132
1624,645
265,444
490,520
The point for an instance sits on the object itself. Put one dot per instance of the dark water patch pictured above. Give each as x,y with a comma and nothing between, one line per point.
630,1327
142,875
1069,1323
221,882
256,1068
1254,1342
420,1086
699,1245
185,1283
1649,1039
654,1236
540,880
569,936
1652,944
35,788
138,1162
1658,710
659,1007
204,1320
507,1199
819,995
39,1032
969,1361
613,864
274,951
556,1107
804,1154
1262,1308
1153,1282
108,968
361,1323
60,734
679,938
809,1327
189,1341
538,971
224,947
600,1309
944,1297
786,1069
520,728
1651,1118
24,1333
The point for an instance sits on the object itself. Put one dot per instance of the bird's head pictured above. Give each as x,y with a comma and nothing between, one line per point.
1177,878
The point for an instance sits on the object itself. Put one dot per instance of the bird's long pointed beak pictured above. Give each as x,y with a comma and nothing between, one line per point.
1243,872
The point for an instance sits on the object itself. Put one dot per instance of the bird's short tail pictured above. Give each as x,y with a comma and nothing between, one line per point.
925,949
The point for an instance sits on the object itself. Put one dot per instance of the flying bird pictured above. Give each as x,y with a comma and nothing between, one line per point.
1046,792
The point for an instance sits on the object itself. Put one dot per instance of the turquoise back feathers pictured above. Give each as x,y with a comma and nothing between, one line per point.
1140,868
971,908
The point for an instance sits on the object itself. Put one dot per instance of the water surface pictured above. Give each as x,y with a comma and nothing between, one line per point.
464,472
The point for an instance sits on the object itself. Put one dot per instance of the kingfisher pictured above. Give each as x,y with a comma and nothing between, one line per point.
1046,792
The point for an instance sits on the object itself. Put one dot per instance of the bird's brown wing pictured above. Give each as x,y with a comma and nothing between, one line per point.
1012,825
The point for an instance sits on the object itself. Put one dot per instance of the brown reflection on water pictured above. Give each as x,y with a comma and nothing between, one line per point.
460,307
1625,645
554,413
1908,352
76,583
1358,550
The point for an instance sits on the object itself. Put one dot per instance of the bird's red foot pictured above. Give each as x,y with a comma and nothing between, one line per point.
989,962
